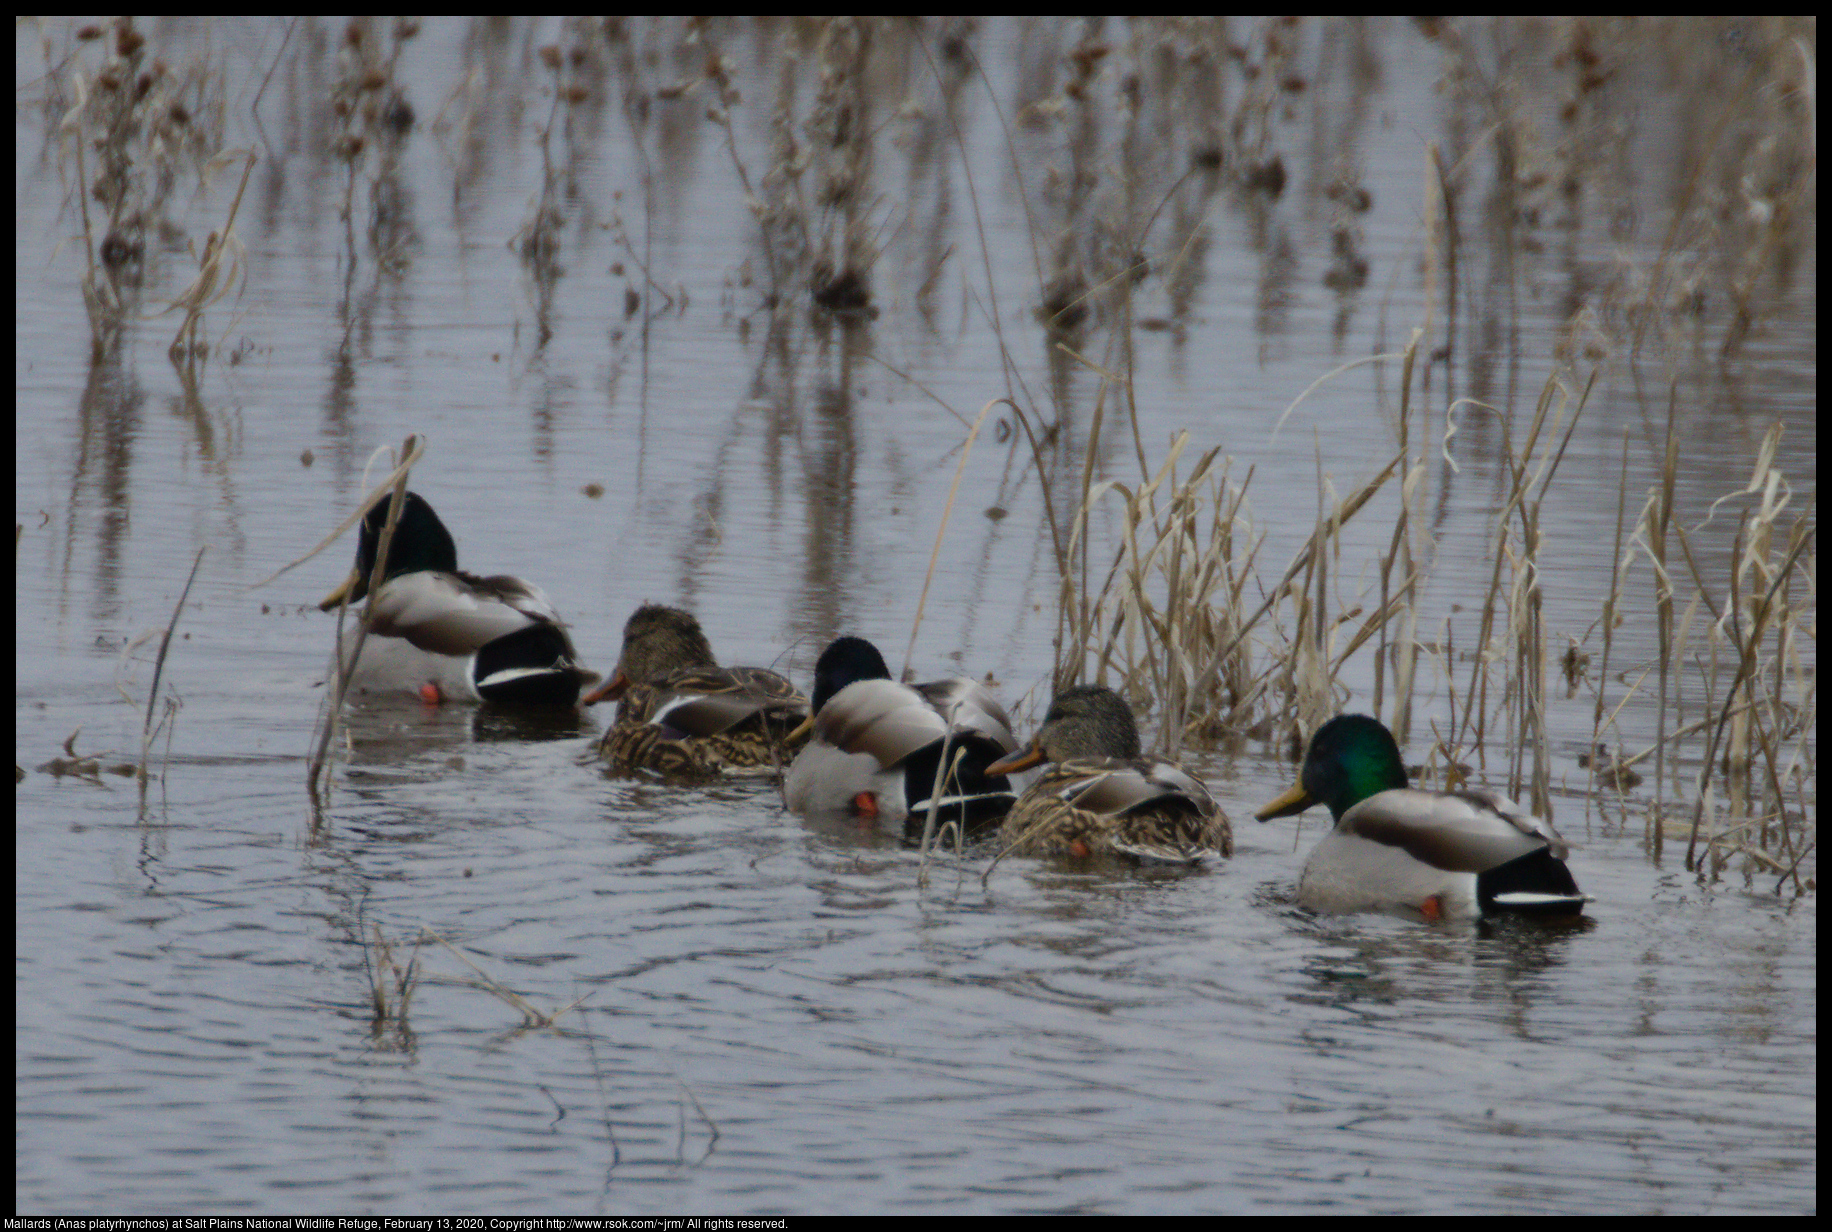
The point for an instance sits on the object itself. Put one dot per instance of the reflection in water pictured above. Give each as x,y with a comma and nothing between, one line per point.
1500,962
496,725
831,574
385,730
109,413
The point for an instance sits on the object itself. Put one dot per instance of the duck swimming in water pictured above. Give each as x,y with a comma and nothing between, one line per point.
875,745
681,715
449,635
1101,794
1428,854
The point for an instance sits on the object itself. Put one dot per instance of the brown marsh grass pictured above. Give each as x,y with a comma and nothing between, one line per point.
134,136
1167,610
1165,614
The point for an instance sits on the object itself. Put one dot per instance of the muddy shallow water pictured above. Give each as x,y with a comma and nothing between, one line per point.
773,1015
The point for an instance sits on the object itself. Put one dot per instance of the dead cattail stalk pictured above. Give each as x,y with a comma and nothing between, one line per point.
220,268
147,729
1611,609
346,658
942,530
531,1016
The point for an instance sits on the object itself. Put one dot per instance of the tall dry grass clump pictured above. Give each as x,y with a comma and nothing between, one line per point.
1158,617
134,133
1735,676
1164,611
1223,649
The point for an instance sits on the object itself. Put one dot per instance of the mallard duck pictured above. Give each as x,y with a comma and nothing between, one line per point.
451,635
1433,854
875,744
681,715
1102,794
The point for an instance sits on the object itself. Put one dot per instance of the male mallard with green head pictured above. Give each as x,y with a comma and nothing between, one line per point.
875,745
447,634
1103,795
1427,854
681,715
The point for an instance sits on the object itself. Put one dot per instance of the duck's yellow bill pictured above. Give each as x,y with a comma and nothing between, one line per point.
349,592
1294,801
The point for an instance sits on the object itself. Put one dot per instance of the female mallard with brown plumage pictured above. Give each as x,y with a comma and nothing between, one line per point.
1424,854
449,635
681,715
875,744
1102,794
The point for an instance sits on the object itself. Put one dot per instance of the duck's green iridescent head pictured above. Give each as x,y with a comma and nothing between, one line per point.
420,544
1350,758
847,660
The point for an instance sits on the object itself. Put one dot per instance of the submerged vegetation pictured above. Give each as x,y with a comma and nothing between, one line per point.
1124,140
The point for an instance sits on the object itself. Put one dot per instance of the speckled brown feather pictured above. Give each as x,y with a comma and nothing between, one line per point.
1134,806
702,721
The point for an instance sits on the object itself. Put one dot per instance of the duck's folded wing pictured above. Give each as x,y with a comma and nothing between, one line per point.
882,718
1113,787
440,613
712,701
519,593
970,707
1469,832
765,685
702,714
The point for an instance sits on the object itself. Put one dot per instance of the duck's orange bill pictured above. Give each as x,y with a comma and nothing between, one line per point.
1024,759
610,690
